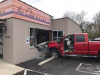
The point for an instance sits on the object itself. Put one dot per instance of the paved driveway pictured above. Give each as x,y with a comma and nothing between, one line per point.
69,65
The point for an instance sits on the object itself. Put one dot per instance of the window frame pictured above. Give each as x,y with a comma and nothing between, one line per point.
57,34
70,35
31,37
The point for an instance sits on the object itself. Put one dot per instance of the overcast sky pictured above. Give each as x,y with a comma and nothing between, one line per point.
57,8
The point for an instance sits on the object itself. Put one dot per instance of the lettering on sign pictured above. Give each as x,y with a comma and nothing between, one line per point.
7,36
2,12
29,13
23,11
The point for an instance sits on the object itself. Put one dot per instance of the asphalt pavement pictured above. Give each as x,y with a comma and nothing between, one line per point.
69,65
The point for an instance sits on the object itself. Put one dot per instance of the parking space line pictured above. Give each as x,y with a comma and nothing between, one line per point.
44,66
38,72
88,72
25,71
78,66
90,64
78,69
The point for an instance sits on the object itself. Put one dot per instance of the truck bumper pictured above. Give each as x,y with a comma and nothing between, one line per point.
42,47
47,52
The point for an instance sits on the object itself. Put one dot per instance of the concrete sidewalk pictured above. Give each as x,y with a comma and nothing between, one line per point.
8,69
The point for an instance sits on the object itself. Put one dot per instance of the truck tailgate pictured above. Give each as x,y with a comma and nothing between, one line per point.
94,47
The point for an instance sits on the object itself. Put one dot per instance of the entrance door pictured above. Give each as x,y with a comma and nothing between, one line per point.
69,44
81,45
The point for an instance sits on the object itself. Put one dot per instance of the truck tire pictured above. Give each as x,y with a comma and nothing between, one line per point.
98,55
55,53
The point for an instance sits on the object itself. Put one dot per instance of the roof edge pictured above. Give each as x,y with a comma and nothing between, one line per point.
30,6
35,7
66,18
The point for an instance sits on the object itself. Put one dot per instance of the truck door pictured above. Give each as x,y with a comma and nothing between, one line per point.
69,44
62,51
81,44
62,47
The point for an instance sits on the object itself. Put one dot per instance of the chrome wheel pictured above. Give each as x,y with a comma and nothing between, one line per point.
54,54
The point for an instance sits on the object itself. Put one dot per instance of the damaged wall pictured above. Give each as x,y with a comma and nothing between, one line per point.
22,51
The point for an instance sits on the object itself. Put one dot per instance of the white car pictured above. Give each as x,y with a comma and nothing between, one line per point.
97,38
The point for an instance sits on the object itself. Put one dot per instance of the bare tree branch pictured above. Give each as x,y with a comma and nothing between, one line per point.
77,17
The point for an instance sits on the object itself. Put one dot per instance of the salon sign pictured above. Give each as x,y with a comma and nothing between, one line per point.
21,10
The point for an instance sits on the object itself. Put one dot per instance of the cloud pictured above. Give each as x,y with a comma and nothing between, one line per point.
57,8
1,0
31,2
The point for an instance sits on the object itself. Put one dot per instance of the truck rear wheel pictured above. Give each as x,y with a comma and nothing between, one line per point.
98,55
54,53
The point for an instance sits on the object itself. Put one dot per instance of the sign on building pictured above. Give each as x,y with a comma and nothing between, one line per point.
21,10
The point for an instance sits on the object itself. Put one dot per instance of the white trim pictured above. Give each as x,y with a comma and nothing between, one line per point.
31,36
32,47
39,28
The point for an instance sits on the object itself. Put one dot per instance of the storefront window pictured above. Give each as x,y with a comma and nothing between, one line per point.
54,39
60,33
32,35
57,35
54,33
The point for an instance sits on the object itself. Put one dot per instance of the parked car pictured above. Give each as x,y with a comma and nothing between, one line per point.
97,38
79,44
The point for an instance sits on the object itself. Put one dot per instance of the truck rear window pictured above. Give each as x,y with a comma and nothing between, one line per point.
80,38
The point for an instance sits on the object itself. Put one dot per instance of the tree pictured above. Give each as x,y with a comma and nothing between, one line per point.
71,15
96,26
89,29
77,17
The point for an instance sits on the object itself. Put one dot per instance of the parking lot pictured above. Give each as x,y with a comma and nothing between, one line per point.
69,65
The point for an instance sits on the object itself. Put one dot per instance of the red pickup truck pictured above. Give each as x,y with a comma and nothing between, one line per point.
79,44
